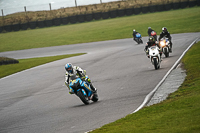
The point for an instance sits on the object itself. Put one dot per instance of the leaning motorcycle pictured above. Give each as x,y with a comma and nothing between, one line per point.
154,56
165,45
138,38
83,90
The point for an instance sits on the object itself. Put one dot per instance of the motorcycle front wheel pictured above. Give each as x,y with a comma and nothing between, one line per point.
155,63
83,98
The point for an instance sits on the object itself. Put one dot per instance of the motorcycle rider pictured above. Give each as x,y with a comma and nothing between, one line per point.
150,31
150,43
134,34
165,33
72,72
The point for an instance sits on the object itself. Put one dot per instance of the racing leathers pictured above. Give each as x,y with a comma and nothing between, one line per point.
77,72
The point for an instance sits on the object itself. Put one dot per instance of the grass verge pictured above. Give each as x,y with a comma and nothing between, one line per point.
177,21
24,64
180,113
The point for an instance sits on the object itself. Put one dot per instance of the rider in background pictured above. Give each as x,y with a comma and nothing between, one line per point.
152,32
73,72
134,34
149,31
150,43
165,33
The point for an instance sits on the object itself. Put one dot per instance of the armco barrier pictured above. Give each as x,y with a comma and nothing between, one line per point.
129,11
192,3
153,8
176,5
198,2
168,6
57,21
73,19
81,18
184,4
120,12
41,24
8,28
113,14
137,10
16,27
48,23
65,20
145,9
24,26
1,29
89,17
105,15
160,8
33,24
99,15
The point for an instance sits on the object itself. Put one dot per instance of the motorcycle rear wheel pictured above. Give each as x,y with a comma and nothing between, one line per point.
95,98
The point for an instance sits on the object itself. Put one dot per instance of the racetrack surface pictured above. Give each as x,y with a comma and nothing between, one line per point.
37,101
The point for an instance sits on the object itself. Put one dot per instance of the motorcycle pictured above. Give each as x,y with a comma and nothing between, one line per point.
164,44
155,56
154,35
83,90
138,38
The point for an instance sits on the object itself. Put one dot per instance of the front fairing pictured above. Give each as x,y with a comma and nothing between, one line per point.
79,85
153,51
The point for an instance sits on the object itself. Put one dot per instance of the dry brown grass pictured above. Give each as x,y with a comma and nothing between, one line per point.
23,17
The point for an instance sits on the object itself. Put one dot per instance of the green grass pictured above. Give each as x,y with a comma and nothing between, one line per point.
24,64
177,21
180,113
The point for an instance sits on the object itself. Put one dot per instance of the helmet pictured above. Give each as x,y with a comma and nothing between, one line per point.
133,30
69,67
149,27
151,39
164,29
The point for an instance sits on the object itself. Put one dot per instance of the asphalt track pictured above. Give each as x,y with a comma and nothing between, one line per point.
37,101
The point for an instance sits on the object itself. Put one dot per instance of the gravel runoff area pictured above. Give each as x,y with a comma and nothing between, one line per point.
171,84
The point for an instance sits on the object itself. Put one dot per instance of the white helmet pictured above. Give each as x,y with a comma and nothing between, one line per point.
134,30
149,27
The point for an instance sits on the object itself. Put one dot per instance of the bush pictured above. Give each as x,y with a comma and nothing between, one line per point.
5,61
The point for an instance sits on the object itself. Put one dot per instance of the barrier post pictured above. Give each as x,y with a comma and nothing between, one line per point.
75,3
25,9
2,16
50,6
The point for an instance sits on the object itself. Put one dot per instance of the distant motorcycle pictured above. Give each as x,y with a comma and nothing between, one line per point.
155,56
138,38
83,90
154,35
165,45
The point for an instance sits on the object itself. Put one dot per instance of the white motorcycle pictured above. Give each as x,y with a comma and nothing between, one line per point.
164,44
154,56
